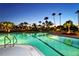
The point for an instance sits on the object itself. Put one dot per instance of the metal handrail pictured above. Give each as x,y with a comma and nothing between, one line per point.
5,41
14,38
13,42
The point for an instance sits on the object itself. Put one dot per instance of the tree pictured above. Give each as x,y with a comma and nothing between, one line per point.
7,26
77,12
67,25
46,18
34,26
53,14
21,26
40,22
46,21
50,23
60,17
43,26
25,23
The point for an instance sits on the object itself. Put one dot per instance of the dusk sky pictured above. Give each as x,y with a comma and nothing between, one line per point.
32,13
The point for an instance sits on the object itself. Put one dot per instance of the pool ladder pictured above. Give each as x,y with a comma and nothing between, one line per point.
11,42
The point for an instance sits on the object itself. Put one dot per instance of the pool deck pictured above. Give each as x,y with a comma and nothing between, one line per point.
65,35
20,50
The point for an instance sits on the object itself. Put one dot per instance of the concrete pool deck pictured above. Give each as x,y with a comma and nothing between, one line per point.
65,35
20,50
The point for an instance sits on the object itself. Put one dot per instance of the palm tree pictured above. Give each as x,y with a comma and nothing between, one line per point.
21,26
43,24
68,25
50,23
25,23
46,18
60,17
53,14
39,26
46,21
7,26
40,22
0,26
34,26
78,18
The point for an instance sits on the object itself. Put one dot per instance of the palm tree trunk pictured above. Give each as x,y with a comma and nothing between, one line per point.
54,20
60,19
78,22
69,31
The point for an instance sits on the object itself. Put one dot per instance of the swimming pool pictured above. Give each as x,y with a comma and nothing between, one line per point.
49,45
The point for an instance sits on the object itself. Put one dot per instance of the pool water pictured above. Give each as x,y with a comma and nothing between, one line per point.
49,45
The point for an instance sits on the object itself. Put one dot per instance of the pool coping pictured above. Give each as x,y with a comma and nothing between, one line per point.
63,35
24,46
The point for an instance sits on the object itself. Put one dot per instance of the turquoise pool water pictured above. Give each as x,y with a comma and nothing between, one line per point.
49,45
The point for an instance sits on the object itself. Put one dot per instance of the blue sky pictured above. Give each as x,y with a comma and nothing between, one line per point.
34,12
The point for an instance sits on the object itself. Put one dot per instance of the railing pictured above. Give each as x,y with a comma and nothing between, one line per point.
12,41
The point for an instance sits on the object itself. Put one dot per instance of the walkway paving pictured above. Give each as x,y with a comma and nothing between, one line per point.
20,50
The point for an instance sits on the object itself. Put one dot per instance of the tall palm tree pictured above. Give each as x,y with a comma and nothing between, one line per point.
43,24
34,26
21,26
25,23
26,27
53,14
60,17
50,23
78,18
46,21
40,22
46,18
